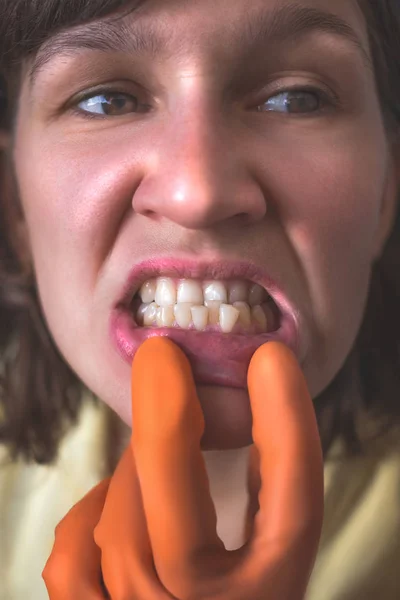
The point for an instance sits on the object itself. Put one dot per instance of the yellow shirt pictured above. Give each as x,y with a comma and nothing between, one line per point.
359,556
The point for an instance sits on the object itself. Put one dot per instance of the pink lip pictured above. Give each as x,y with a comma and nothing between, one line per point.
216,358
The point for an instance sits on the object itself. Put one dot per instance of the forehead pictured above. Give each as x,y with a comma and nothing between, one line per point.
226,16
182,27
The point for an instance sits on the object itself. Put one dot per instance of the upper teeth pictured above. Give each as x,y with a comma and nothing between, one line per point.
188,303
165,291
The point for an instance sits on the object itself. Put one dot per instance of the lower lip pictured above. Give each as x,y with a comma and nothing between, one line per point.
216,358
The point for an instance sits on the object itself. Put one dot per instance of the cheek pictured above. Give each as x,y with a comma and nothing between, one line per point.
74,204
330,207
335,231
329,203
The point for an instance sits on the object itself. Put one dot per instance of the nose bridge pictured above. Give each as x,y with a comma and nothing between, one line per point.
200,174
201,154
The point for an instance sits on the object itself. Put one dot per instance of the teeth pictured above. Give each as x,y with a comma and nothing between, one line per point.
148,291
260,318
213,311
140,313
183,314
190,291
166,292
199,317
150,314
215,291
272,321
165,316
257,295
190,303
244,313
238,292
228,316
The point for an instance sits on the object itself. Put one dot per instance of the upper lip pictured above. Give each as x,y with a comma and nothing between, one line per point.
217,269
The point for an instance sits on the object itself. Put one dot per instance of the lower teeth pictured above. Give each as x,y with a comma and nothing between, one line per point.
213,316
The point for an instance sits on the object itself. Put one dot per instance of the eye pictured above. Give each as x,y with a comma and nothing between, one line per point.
110,104
296,102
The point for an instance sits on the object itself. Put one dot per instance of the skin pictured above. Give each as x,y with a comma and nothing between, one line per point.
205,173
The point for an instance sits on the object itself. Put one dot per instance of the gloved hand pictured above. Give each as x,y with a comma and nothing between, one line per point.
150,530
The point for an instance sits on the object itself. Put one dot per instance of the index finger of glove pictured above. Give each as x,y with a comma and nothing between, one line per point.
167,428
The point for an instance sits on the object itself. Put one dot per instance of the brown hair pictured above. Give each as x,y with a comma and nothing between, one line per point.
39,394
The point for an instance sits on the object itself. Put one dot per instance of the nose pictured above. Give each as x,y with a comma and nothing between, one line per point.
201,176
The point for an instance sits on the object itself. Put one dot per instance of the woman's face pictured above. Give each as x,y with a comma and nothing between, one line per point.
221,139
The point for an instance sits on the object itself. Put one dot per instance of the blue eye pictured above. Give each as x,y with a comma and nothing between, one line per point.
294,102
109,104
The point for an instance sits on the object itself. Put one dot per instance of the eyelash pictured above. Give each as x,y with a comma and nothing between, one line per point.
327,98
73,107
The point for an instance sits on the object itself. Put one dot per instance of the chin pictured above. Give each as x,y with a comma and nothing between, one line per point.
227,415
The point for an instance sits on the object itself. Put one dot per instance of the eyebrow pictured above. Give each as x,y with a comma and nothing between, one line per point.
288,22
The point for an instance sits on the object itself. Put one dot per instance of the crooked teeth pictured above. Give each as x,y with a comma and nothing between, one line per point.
150,314
199,317
259,316
190,303
228,316
165,316
244,313
213,311
141,313
183,314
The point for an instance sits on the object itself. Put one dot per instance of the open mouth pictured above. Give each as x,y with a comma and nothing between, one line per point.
230,307
218,314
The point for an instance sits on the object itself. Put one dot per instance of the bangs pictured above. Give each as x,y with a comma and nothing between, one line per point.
26,24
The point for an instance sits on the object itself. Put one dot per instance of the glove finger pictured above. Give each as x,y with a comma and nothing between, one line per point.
288,524
73,570
168,426
121,534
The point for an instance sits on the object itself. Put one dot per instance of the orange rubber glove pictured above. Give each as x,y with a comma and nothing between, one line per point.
149,533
